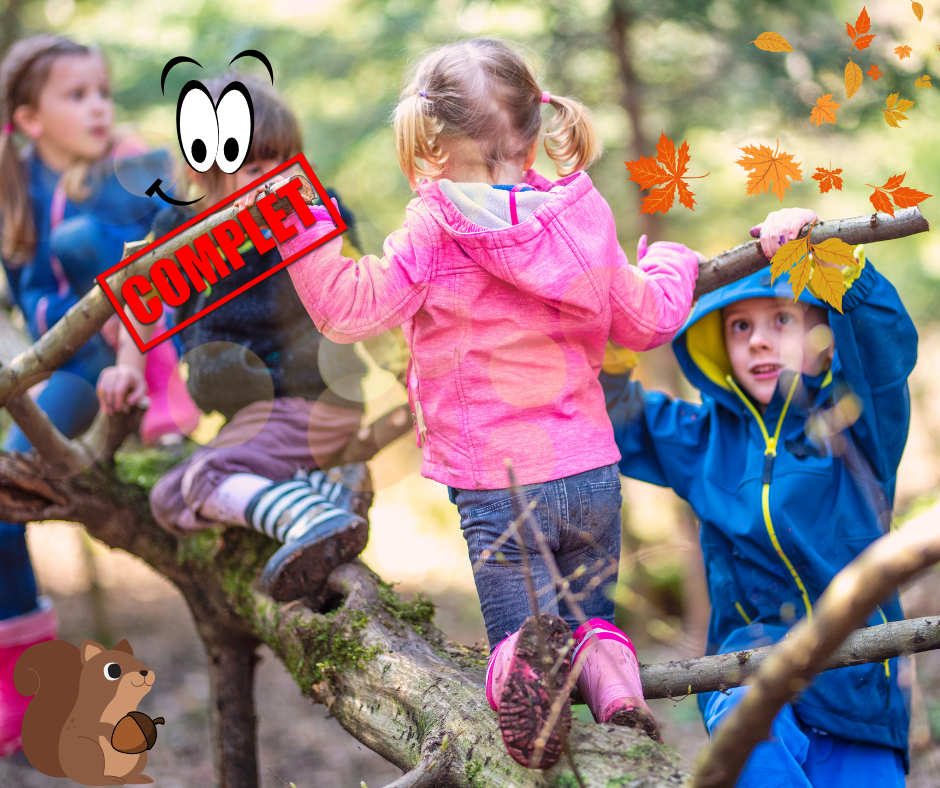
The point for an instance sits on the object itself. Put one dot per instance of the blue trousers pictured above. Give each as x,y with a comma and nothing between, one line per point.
797,756
580,518
70,401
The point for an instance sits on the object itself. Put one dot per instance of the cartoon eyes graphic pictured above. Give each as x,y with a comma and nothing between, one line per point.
212,132
112,671
209,132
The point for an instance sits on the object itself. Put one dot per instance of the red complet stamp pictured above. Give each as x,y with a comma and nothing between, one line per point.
196,265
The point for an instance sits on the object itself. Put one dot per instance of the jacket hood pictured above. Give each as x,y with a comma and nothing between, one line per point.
700,344
553,221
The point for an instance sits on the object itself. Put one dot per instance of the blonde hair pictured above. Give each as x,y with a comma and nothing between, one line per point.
276,133
23,74
483,91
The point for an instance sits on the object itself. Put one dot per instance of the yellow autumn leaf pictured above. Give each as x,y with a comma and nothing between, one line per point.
787,256
772,42
918,11
853,79
834,251
828,285
923,82
904,105
800,275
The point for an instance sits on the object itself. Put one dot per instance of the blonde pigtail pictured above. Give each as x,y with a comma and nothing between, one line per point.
417,136
571,140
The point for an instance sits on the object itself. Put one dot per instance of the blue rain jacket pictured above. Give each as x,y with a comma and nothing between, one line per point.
781,514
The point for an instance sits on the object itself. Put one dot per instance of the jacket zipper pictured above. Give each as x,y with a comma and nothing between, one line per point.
770,452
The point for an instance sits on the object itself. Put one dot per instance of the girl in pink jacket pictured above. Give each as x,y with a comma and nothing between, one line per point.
507,287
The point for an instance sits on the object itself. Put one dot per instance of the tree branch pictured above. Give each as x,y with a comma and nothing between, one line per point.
851,597
747,258
87,317
723,671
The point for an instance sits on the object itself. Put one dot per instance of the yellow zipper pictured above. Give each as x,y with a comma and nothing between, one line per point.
741,611
769,453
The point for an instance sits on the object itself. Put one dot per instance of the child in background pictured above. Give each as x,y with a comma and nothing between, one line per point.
64,217
257,360
508,286
790,463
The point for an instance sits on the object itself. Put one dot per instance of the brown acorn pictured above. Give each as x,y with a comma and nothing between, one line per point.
135,733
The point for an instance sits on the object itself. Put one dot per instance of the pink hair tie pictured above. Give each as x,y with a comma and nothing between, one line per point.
546,97
8,128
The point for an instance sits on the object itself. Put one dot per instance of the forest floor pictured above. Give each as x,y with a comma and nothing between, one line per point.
298,742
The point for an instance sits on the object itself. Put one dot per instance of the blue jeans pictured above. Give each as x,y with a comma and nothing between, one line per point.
580,518
70,401
798,756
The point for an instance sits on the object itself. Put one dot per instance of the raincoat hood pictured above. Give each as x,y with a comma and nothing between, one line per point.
700,344
494,227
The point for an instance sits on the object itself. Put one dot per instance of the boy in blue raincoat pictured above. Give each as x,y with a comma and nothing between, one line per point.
790,463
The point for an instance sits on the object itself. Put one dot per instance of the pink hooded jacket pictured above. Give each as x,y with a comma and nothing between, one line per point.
507,322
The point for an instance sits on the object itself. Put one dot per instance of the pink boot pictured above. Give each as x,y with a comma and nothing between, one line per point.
16,635
518,690
610,677
171,410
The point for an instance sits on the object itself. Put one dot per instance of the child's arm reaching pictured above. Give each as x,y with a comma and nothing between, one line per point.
651,301
123,385
352,300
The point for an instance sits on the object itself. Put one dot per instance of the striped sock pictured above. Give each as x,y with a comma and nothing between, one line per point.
287,510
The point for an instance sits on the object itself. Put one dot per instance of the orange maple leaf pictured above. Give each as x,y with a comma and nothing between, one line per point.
828,179
904,196
874,72
902,52
666,167
824,110
863,25
767,166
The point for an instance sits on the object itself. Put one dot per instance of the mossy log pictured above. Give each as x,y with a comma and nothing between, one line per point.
379,664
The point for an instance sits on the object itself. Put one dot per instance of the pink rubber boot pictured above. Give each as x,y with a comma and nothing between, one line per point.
16,635
517,687
171,410
610,677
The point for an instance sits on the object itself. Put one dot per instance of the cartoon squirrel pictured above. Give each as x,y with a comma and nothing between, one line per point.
81,695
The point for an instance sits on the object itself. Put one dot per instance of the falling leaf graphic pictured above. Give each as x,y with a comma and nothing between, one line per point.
666,167
824,111
896,109
904,196
918,11
828,283
853,81
863,25
874,72
828,179
923,82
902,52
789,255
834,251
819,266
766,166
772,42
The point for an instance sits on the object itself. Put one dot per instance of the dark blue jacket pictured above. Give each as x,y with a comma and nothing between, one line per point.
781,514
